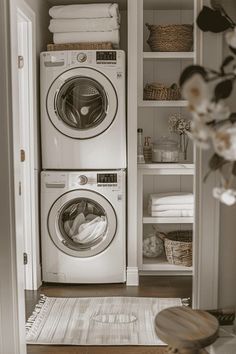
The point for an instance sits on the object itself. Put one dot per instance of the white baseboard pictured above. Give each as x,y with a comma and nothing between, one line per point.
132,276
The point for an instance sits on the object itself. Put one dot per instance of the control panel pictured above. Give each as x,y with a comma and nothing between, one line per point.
106,178
106,56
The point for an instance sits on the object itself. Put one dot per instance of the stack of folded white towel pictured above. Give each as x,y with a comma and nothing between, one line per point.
173,204
85,23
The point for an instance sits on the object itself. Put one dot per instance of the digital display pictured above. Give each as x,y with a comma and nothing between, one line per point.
107,178
106,56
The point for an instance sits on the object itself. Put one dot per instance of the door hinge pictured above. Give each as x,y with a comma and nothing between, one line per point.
19,188
22,155
25,256
20,61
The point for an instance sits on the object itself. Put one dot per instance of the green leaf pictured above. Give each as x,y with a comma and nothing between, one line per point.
212,20
223,89
191,70
226,62
216,162
234,169
232,117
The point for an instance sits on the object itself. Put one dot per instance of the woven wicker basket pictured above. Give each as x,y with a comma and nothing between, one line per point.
79,46
178,247
170,38
156,91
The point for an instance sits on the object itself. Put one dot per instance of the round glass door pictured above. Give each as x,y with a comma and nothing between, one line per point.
82,223
82,103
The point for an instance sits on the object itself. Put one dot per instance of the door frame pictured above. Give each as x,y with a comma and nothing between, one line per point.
12,317
19,8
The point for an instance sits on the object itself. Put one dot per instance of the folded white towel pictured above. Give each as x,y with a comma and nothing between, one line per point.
85,11
83,37
173,213
165,207
84,25
171,198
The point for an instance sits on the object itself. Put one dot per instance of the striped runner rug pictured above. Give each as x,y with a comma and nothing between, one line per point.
96,321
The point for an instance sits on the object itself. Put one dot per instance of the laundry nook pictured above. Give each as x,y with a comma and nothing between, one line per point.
118,173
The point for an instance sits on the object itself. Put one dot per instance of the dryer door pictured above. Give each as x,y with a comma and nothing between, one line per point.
82,223
82,103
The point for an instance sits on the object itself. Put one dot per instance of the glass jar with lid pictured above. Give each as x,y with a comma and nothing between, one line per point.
165,150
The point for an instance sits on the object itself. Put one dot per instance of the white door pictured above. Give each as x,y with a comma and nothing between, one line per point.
82,103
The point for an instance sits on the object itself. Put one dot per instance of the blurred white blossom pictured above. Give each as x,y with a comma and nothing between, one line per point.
226,196
201,134
224,142
196,91
230,37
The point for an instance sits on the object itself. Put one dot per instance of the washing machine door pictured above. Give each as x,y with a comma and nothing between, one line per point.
82,103
82,223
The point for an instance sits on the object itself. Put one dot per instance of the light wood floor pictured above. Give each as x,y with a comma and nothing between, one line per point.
149,287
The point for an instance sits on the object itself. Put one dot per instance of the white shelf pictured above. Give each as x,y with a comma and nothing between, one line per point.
161,264
147,219
168,168
168,55
177,103
168,5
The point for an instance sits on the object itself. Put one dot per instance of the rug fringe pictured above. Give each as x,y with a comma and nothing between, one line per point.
36,312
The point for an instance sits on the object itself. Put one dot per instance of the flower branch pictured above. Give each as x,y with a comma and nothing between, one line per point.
206,89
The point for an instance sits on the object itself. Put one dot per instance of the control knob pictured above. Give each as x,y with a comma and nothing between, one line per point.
81,57
82,180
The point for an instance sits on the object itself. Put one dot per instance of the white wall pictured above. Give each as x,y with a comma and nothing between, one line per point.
227,266
40,8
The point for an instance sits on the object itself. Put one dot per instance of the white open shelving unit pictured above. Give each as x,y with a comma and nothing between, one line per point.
164,67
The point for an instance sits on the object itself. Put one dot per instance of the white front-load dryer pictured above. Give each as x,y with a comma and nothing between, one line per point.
83,233
83,124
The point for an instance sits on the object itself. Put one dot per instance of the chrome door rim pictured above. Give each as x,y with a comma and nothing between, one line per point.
88,73
56,235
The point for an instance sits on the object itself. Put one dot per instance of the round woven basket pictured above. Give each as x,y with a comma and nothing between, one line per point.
156,91
179,247
170,38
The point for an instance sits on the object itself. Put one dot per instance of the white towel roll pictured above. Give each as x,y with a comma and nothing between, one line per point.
84,25
84,11
83,37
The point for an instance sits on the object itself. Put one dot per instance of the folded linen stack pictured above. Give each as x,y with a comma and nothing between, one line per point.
173,204
85,23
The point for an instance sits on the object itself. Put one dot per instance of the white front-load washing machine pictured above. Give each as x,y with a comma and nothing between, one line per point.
83,226
83,123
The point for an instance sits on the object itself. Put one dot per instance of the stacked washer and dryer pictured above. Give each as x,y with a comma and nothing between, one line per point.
83,199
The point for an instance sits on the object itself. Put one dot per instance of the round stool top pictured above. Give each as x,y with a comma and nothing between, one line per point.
182,327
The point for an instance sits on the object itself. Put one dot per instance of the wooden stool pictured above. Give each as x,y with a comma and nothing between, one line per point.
186,331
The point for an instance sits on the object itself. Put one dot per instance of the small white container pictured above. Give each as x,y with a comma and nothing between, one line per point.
165,150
